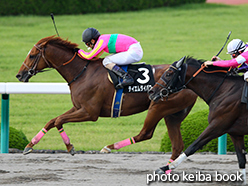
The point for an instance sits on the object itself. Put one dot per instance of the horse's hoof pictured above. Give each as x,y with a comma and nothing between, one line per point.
72,151
27,150
159,171
105,150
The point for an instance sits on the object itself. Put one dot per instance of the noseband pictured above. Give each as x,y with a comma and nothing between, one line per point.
164,92
32,71
168,89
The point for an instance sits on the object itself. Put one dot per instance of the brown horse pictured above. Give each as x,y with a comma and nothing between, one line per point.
92,94
221,91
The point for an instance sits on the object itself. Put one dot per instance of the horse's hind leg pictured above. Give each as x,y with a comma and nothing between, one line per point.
150,123
238,142
155,113
173,123
146,133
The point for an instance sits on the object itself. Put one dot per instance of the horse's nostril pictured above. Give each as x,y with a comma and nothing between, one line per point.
18,76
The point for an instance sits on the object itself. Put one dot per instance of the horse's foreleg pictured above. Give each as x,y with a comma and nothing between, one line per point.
239,145
29,148
207,135
66,140
166,169
75,115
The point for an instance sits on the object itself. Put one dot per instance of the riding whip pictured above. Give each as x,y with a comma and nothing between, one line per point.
224,43
54,24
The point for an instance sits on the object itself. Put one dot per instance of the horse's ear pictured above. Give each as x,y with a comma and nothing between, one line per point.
180,62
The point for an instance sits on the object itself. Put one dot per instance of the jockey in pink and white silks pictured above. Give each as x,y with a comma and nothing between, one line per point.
124,50
239,52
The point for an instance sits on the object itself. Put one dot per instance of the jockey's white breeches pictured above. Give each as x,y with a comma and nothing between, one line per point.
132,55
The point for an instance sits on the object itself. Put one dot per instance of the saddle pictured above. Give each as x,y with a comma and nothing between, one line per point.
142,75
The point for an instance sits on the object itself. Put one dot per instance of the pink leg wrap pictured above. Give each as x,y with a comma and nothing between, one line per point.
169,171
40,134
64,136
124,143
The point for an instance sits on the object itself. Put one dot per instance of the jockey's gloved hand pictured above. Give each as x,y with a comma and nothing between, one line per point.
76,49
215,58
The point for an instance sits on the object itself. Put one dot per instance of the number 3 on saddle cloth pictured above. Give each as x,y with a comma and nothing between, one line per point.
143,81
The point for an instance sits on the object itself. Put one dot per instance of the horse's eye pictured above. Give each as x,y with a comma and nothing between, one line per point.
168,75
31,56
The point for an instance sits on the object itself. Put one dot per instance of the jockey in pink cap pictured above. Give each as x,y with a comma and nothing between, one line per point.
124,50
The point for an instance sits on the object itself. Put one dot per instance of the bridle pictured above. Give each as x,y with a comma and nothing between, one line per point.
32,71
170,85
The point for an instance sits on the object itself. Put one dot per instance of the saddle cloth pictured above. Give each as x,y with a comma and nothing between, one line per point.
142,75
143,81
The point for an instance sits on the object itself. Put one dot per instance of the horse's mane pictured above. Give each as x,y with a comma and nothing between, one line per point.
195,62
198,62
57,41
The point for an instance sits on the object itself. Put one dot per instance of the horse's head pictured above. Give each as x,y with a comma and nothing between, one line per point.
42,56
34,63
171,81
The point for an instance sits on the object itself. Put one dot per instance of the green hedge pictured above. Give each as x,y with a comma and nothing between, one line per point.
191,128
45,7
17,139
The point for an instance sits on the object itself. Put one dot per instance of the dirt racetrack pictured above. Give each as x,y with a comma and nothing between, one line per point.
115,169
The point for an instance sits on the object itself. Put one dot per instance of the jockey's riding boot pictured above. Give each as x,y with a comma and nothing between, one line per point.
127,79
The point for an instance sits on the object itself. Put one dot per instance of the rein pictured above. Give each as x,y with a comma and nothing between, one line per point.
215,71
70,59
209,72
195,74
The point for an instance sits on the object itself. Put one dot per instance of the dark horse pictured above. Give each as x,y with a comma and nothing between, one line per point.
92,94
221,91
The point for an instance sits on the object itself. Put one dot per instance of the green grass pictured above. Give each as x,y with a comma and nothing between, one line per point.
166,34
